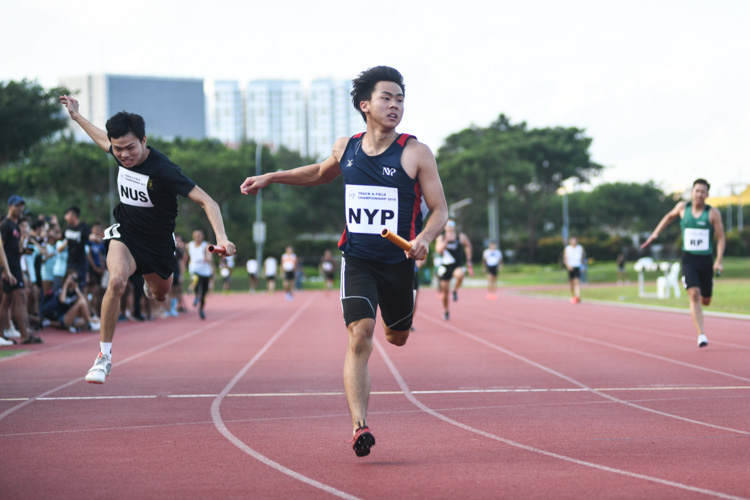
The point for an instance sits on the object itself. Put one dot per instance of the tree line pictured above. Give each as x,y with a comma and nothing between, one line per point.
525,167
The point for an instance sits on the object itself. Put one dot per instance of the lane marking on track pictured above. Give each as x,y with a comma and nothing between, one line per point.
209,326
577,383
430,411
604,343
222,428
390,393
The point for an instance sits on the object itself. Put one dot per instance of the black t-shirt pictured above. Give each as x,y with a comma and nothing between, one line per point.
148,197
11,235
78,238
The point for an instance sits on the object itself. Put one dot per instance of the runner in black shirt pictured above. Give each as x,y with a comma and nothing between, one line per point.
142,240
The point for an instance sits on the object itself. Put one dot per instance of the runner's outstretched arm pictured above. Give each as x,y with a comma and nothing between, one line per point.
98,135
664,222
309,175
213,213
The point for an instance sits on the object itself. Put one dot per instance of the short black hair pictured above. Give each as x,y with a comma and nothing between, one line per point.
74,209
123,123
364,84
704,182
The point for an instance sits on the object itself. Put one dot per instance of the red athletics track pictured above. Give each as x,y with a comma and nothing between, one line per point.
522,397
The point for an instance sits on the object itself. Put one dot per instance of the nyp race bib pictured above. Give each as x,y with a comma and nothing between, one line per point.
696,240
371,208
133,188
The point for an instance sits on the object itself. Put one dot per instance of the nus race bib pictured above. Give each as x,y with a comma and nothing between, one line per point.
695,240
133,188
369,209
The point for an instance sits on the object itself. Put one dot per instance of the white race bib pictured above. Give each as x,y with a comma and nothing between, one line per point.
133,188
696,240
369,209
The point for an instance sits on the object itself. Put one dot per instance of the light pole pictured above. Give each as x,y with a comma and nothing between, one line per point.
566,220
259,228
492,216
454,207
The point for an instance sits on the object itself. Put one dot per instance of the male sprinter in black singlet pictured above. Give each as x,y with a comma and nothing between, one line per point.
142,241
701,225
386,174
455,251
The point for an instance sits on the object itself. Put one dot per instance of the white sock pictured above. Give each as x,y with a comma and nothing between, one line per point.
106,348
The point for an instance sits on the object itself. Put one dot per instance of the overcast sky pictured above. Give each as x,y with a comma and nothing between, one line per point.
662,87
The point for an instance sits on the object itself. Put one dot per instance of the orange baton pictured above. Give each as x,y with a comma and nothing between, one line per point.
218,249
395,239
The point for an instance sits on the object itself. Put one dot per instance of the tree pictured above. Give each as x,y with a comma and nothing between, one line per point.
526,166
28,115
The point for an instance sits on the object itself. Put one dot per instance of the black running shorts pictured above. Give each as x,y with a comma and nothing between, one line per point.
445,273
698,271
365,284
150,256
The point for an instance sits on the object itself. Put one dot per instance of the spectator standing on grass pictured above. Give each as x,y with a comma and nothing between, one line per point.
492,260
573,256
622,275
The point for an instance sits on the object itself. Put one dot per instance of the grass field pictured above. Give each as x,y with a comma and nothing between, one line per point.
731,293
731,290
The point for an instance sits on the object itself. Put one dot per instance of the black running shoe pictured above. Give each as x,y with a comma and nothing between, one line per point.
362,441
455,295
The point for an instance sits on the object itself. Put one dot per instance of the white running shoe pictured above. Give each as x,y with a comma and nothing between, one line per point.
702,340
5,342
102,367
12,333
95,326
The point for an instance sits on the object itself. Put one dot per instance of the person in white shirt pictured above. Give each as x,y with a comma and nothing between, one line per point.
289,266
269,272
201,267
492,260
573,260
252,274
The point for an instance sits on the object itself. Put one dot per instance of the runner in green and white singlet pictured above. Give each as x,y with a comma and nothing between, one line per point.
701,227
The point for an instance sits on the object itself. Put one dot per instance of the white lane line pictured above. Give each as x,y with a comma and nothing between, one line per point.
426,409
222,428
524,390
563,333
579,384
187,335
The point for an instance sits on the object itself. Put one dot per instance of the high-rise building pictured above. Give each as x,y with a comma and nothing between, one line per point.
330,115
225,112
275,114
171,107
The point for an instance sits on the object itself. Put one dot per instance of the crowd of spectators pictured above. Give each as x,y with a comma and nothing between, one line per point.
54,276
